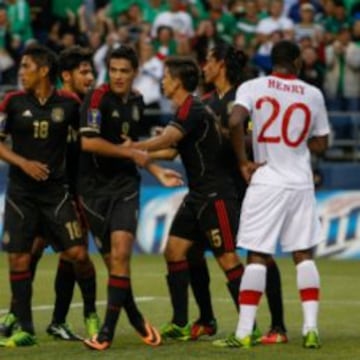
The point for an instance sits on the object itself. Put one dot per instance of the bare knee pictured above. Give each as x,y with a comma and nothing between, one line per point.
228,260
19,261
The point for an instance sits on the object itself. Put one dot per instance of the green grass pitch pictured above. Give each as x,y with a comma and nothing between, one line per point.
339,315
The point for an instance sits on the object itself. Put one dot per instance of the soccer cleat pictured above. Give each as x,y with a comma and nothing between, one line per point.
311,340
63,332
94,344
149,334
19,338
92,324
274,336
201,328
233,342
173,331
256,335
7,323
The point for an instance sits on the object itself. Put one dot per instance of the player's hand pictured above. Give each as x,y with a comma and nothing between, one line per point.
248,168
169,177
36,170
140,158
127,141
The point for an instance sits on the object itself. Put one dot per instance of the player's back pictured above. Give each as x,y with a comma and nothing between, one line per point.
285,112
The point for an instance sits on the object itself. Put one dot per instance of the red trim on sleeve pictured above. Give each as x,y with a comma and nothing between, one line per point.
310,294
8,97
249,297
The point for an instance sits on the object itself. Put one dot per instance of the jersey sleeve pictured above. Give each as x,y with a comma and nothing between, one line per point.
321,125
243,97
5,113
90,119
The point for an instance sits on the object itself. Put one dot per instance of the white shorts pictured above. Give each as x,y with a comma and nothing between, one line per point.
270,214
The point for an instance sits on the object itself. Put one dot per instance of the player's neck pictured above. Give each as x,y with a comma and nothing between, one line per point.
43,91
222,87
180,97
284,70
67,87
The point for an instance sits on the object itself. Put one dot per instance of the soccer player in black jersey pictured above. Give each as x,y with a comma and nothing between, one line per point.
223,69
210,210
37,200
109,184
76,73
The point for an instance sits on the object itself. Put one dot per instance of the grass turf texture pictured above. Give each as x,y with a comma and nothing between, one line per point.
339,315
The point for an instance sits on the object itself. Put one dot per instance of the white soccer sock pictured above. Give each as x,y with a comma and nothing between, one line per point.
251,288
308,283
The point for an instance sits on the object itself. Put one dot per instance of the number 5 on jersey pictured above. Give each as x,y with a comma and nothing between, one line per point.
285,119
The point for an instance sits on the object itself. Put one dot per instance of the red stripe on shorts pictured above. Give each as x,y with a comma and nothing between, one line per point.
225,228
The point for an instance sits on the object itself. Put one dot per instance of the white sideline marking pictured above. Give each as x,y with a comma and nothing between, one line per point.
165,298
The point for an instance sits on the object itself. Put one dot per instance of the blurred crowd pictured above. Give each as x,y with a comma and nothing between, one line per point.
328,32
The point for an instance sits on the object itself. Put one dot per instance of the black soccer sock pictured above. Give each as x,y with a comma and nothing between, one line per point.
118,288
274,296
35,258
87,283
21,288
234,276
200,285
178,281
64,290
133,313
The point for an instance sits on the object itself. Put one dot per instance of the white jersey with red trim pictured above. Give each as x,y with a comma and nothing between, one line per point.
285,113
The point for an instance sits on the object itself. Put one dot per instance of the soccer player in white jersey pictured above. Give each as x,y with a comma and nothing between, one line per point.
289,121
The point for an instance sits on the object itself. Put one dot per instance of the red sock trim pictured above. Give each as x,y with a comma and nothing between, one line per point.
175,266
235,273
310,294
18,276
249,297
119,282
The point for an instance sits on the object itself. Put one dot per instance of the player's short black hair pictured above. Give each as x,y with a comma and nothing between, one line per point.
284,53
186,70
124,52
71,58
43,56
235,60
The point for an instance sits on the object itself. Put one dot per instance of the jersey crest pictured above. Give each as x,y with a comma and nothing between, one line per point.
57,115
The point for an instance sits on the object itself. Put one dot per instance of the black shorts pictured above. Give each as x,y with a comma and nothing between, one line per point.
49,213
106,214
213,219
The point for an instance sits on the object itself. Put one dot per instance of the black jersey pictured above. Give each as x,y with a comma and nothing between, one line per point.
39,132
222,108
201,149
106,115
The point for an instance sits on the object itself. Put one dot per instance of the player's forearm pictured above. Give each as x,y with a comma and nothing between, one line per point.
156,143
103,147
10,156
166,154
237,133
